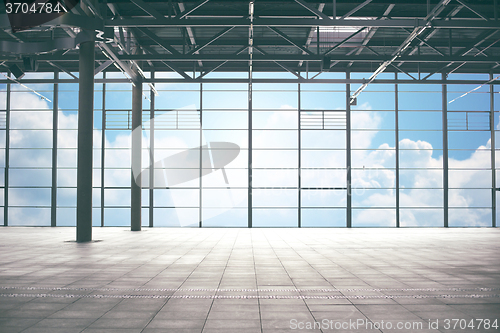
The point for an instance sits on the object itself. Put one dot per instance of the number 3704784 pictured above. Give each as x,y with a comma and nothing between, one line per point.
35,7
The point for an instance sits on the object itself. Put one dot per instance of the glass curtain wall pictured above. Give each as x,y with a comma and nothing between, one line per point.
373,141
323,163
420,133
495,130
30,138
408,155
469,153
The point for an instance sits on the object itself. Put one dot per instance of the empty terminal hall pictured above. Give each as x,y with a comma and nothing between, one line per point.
253,166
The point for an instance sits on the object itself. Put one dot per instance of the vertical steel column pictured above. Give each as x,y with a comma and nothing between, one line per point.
55,116
348,150
250,110
103,143
200,206
7,157
151,154
250,128
299,162
493,160
396,110
445,149
450,45
136,185
85,129
317,40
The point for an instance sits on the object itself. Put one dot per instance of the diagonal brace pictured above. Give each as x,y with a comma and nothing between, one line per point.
285,37
159,41
133,75
148,9
344,41
219,35
279,64
313,10
358,7
472,10
187,12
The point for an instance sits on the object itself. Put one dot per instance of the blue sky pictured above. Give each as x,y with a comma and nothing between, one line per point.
275,158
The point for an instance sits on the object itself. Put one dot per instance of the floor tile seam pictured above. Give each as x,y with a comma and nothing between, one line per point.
180,257
291,247
212,303
255,270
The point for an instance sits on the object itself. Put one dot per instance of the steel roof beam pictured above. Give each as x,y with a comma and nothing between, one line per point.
136,74
344,41
189,31
288,69
103,66
400,50
212,69
472,10
423,42
159,41
93,9
62,69
348,54
123,66
189,11
313,10
430,34
310,36
148,9
222,63
372,31
358,7
168,64
288,39
213,39
300,22
482,38
271,57
281,57
176,69
392,65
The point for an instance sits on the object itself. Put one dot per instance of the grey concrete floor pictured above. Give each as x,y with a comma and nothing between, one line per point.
249,280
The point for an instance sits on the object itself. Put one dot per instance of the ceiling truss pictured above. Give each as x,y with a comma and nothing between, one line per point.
295,36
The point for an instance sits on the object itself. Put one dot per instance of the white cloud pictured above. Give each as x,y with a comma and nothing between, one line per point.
413,154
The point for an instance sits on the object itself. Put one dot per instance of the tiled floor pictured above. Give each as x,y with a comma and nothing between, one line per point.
248,280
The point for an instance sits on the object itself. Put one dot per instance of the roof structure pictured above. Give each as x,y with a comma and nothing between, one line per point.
297,36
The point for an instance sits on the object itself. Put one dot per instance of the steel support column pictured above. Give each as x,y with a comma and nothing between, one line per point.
136,186
493,161
55,114
7,157
396,110
151,154
299,169
200,209
250,128
445,149
85,132
348,151
103,146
